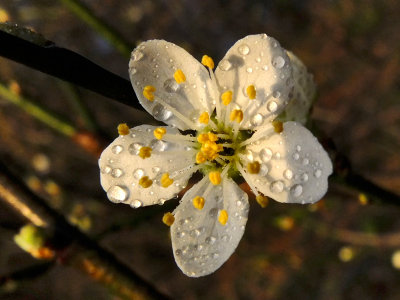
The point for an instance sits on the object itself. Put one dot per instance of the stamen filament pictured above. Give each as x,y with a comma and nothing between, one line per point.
246,177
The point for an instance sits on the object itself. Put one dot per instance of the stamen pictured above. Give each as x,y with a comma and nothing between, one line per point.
278,126
159,132
200,158
145,182
251,92
166,181
262,200
204,118
148,92
223,217
246,177
179,76
123,129
215,177
145,152
226,97
262,133
253,168
207,61
236,115
168,219
198,202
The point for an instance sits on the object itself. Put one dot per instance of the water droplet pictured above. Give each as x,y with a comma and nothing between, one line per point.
225,238
298,148
155,170
296,190
117,149
132,71
296,156
263,170
265,68
239,203
258,59
116,173
244,49
306,161
136,203
215,255
135,148
249,155
257,120
170,85
225,65
160,113
288,174
137,55
277,156
178,252
277,186
272,106
278,62
158,145
210,240
304,177
317,173
266,154
249,70
107,170
276,94
118,193
138,173
161,201
180,234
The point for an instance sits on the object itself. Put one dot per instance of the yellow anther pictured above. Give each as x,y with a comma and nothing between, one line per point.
123,129
204,118
215,177
253,168
145,182
226,97
212,137
200,158
251,92
198,202
236,115
148,92
168,219
202,138
179,76
363,199
262,200
207,61
223,217
166,181
278,126
145,152
159,132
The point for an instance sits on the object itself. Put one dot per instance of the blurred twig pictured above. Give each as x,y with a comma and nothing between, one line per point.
85,14
71,245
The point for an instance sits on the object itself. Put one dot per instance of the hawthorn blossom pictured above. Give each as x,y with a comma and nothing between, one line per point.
224,125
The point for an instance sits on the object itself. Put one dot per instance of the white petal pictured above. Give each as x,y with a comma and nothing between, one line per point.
294,166
257,60
154,63
121,167
200,243
304,92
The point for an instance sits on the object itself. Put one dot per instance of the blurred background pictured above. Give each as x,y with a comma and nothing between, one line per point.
339,248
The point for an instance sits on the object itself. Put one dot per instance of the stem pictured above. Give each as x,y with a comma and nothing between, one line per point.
72,246
38,112
86,15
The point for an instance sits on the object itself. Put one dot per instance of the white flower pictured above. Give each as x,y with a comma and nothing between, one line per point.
233,112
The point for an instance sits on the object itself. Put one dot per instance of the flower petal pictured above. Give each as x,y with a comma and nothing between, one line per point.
122,168
294,167
260,61
304,92
154,63
200,242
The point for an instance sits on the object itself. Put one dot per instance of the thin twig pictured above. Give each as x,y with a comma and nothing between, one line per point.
71,245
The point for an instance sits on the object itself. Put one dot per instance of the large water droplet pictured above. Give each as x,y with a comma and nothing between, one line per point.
298,148
158,145
288,174
134,148
116,173
138,173
278,62
276,94
118,193
263,170
137,55
249,70
170,85
225,65
296,190
117,149
266,154
304,177
136,203
277,186
317,173
107,170
210,240
272,106
244,49
257,120
296,156
155,170
249,155
160,113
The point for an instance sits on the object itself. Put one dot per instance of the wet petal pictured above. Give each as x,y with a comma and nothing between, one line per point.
259,61
294,167
304,92
200,241
128,176
162,65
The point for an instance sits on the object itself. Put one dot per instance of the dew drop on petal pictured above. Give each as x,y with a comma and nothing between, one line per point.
134,148
136,203
155,170
276,94
296,190
272,106
249,155
244,49
296,156
277,186
117,149
265,68
304,177
210,240
298,148
118,193
306,161
116,173
249,70
263,170
266,154
132,71
288,174
257,120
137,55
317,173
225,65
170,85
138,173
160,113
278,62
107,170
158,145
